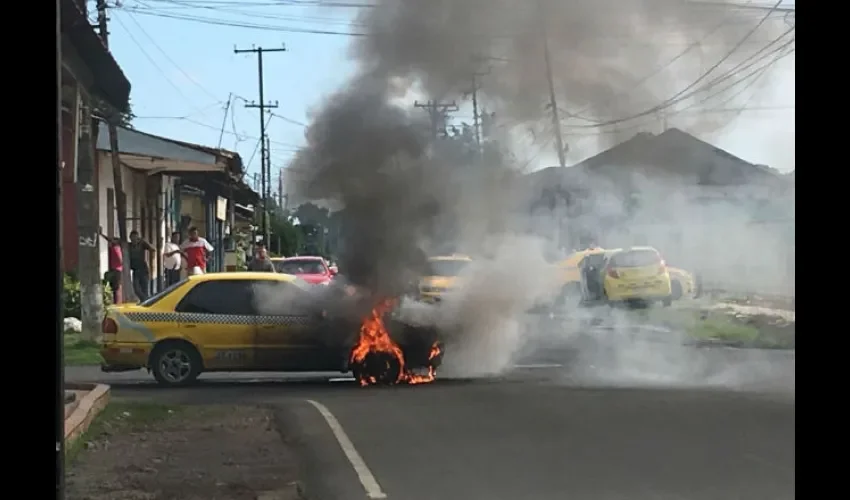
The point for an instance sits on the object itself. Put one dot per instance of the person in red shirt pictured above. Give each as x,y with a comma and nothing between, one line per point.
115,267
196,250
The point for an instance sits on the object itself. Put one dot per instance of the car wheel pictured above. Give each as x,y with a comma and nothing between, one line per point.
676,290
175,363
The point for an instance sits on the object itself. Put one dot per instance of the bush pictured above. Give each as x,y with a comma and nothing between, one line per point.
71,306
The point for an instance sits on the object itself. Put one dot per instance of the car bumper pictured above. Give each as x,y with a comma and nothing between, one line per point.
654,293
430,298
124,356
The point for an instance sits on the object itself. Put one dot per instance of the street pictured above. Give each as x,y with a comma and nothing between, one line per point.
534,433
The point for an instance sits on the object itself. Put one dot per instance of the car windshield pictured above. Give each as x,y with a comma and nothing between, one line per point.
636,258
299,267
153,299
446,267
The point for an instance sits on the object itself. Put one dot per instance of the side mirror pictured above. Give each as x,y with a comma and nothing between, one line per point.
334,270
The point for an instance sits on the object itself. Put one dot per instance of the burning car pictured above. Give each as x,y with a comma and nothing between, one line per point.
249,322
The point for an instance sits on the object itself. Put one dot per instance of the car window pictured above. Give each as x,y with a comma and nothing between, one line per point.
300,267
231,297
279,298
636,258
153,299
447,268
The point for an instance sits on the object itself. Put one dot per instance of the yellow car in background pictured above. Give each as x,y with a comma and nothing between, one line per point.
443,272
683,283
636,274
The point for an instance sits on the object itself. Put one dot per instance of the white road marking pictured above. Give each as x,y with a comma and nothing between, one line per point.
538,366
370,484
342,379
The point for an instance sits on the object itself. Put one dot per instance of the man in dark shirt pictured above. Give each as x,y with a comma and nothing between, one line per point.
261,261
137,252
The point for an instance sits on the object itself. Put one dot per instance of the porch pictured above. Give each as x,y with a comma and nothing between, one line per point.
170,186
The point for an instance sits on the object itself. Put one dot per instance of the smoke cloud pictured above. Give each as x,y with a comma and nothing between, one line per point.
405,197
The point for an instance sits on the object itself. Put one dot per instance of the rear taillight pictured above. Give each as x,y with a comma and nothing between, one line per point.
613,273
109,326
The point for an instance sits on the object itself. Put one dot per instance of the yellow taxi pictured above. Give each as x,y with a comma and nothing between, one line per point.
636,273
684,284
569,272
443,272
217,322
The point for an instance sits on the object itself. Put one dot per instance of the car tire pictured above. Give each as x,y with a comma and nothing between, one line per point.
175,363
676,290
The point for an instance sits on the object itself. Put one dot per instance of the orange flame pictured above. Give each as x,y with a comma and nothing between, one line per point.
375,339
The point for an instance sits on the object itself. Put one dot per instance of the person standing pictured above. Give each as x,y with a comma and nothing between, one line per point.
115,267
172,259
138,252
261,261
196,249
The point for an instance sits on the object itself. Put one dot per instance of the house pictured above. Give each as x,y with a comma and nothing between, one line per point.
703,207
89,75
169,186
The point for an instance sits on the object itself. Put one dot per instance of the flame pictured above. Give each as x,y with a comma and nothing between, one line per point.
375,339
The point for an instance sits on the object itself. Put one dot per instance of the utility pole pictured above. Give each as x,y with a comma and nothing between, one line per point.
88,265
436,112
262,106
476,119
224,120
125,291
553,104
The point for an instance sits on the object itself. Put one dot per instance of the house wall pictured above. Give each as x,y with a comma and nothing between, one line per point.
146,196
70,235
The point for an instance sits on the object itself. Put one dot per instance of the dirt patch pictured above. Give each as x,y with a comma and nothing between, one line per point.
138,452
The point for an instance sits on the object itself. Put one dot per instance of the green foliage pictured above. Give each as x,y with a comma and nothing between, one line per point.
71,302
101,108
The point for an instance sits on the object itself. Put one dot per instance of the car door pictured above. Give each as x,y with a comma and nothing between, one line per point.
219,318
288,325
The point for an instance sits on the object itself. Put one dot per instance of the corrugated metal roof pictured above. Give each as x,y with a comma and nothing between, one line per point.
134,142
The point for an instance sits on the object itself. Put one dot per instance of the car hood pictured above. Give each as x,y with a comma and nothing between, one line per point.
314,278
438,281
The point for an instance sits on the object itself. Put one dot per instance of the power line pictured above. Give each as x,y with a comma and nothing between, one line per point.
169,59
151,59
683,95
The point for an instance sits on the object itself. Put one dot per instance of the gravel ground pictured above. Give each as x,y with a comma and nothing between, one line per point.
197,453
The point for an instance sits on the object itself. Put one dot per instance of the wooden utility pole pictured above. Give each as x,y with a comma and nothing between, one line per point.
88,264
126,293
476,118
436,112
553,103
262,106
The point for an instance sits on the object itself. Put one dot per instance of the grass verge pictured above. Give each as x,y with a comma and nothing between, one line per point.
725,328
120,417
79,352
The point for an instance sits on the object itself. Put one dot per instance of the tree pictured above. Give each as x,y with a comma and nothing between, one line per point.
102,109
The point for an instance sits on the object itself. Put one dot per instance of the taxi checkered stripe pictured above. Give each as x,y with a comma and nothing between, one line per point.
219,319
152,317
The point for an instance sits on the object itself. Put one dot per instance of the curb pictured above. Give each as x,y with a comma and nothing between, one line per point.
87,408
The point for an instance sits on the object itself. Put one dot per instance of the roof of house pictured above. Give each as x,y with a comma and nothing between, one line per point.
135,142
110,83
674,153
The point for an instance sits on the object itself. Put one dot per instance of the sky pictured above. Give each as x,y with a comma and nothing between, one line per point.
184,73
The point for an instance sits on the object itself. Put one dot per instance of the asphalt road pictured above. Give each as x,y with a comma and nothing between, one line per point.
536,433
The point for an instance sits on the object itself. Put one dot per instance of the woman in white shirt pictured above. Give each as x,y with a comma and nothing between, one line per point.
172,259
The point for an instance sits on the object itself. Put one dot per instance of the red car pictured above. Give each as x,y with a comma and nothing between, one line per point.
313,270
